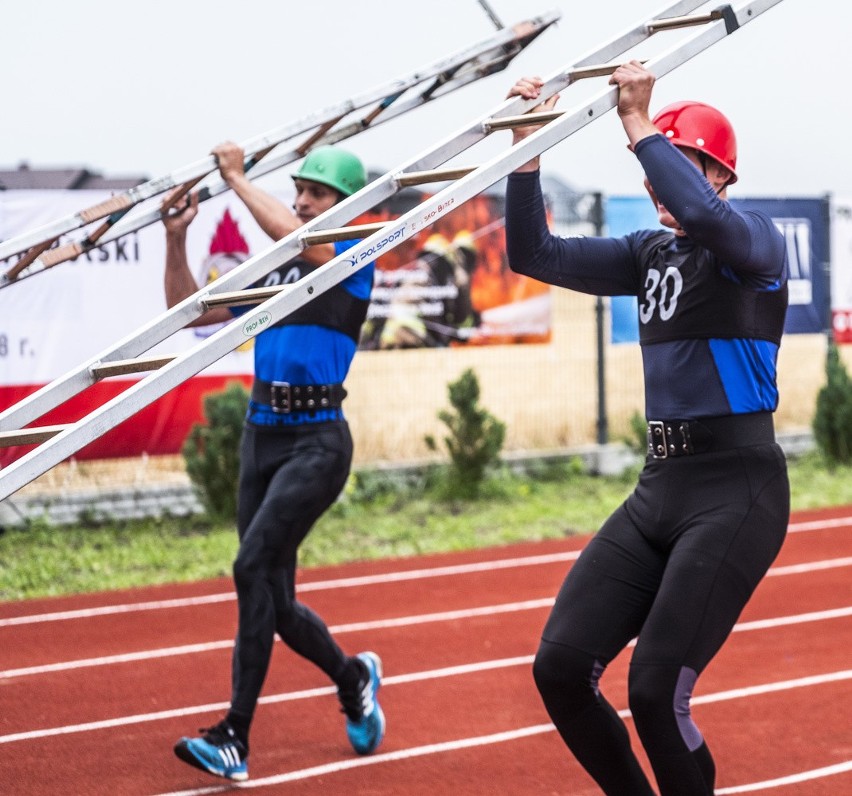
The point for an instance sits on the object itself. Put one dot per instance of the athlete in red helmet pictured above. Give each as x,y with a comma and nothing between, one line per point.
675,564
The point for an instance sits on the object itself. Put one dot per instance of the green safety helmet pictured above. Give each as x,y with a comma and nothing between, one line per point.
334,167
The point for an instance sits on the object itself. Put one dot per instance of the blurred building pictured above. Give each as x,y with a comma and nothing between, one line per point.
68,178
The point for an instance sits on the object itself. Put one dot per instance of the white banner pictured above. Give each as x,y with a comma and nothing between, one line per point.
54,320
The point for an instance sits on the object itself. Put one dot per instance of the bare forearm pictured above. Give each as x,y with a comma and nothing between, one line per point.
272,216
179,282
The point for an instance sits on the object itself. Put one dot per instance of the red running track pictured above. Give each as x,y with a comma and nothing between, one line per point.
95,689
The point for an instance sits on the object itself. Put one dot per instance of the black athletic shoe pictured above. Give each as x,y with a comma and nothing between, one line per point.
218,752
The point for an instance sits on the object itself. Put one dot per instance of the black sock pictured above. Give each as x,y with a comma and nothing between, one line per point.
240,724
354,673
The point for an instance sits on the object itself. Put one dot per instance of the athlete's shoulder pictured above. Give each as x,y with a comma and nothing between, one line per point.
360,283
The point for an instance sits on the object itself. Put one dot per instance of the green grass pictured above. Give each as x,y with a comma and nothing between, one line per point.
374,519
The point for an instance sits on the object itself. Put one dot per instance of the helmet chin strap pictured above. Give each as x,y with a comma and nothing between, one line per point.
702,156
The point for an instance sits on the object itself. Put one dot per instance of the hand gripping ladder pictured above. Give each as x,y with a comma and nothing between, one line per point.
274,303
327,126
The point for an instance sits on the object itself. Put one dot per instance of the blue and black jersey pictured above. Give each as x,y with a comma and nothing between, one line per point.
711,304
316,343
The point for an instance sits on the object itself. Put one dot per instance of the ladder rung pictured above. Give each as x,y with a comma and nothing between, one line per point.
684,22
29,436
341,233
600,70
436,175
505,122
121,367
27,259
305,146
237,298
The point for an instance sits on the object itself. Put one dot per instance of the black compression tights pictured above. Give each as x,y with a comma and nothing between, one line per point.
673,566
288,478
597,736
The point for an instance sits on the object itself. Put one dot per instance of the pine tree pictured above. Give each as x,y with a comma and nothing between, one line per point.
475,439
212,451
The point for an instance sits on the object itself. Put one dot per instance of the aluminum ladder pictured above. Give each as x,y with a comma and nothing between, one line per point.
56,443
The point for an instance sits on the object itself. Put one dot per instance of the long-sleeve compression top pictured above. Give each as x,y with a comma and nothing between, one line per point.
711,303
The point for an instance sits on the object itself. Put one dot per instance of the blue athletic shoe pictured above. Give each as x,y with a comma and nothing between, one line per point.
218,752
365,722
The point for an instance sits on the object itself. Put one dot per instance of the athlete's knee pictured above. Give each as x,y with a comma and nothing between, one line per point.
649,691
659,702
248,569
566,675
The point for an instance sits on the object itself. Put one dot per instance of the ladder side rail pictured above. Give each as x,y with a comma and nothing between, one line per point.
390,93
147,190
438,155
453,63
62,445
626,40
272,162
207,165
635,34
293,296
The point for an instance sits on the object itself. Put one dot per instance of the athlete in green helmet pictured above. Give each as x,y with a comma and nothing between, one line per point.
334,167
295,456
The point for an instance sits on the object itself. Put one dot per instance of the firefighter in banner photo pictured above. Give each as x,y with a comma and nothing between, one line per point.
295,456
674,565
450,285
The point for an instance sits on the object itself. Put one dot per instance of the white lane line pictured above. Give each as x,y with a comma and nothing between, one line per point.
376,759
404,621
772,688
191,649
813,616
820,525
365,580
792,779
525,732
287,696
320,585
272,699
812,566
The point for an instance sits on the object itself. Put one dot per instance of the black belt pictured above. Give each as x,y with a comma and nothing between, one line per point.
668,438
285,398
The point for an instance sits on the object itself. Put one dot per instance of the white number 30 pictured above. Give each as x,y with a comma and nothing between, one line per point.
661,291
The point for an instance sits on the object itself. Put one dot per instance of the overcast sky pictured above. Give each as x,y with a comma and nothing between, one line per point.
145,88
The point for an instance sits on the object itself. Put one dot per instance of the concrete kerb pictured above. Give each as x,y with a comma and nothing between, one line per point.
156,500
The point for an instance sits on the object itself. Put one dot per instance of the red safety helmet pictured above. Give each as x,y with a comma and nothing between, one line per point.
701,127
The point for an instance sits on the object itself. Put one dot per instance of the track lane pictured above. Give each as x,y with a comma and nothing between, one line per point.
310,729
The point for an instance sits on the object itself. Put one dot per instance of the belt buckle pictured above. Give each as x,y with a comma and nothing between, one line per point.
657,444
279,397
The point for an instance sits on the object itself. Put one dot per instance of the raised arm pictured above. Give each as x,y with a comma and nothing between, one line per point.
178,281
601,266
273,216
692,190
